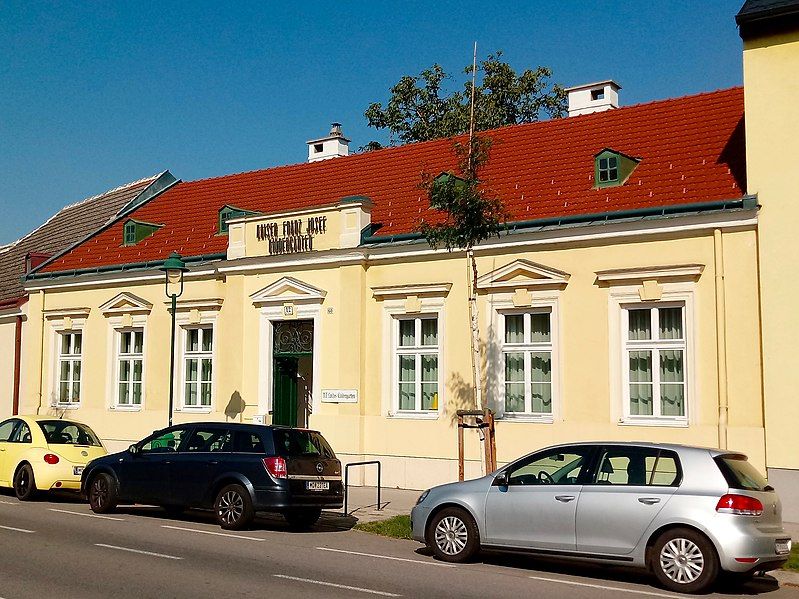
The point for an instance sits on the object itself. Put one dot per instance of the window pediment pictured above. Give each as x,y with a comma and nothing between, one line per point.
288,289
522,274
125,303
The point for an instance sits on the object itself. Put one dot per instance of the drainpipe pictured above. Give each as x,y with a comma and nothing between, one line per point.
41,356
721,336
17,359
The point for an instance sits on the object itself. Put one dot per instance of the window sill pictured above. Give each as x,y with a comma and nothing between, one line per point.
63,406
195,409
414,415
548,419
119,408
669,422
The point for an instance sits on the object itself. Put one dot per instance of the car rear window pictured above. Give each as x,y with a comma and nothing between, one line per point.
740,474
63,432
297,443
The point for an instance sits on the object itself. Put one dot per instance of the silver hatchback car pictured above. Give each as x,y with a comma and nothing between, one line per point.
684,513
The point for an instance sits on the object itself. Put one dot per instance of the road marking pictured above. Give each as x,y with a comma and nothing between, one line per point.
398,559
17,529
210,532
338,586
52,509
605,587
137,551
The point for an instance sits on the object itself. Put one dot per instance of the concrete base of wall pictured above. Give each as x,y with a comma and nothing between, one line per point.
786,482
407,472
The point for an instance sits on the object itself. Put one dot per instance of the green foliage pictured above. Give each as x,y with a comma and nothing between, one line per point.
793,560
420,108
470,214
397,527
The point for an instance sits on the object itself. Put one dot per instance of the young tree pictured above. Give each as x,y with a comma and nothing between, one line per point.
421,108
470,215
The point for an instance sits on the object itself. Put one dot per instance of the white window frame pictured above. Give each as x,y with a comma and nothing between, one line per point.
71,358
622,298
131,357
527,347
392,310
653,345
417,351
199,355
497,306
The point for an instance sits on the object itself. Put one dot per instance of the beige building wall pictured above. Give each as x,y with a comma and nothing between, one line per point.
8,328
772,146
353,302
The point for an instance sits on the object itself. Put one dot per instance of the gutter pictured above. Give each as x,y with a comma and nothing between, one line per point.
745,203
149,265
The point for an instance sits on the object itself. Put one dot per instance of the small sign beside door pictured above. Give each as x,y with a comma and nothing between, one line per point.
340,395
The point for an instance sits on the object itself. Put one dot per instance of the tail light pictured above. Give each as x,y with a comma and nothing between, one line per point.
276,467
51,458
740,505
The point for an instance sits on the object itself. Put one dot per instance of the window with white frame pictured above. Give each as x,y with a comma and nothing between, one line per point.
69,366
198,360
527,363
130,367
655,358
416,354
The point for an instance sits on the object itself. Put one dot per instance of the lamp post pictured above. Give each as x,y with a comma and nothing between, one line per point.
174,267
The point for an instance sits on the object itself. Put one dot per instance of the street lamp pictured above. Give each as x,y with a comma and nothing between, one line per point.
174,267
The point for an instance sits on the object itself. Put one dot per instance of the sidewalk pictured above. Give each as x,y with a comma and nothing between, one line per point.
362,503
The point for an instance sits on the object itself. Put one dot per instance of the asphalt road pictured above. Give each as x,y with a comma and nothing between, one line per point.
56,547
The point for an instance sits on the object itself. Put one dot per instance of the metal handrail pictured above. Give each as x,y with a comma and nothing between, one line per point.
347,480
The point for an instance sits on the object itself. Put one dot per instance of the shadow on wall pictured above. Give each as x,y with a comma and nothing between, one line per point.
460,394
235,406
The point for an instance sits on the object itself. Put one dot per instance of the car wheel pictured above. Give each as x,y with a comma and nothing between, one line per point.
233,507
685,561
25,483
302,519
452,535
102,493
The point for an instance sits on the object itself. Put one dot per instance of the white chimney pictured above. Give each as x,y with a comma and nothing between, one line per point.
332,146
593,97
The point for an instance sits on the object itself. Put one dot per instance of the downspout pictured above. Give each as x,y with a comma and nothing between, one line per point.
721,336
17,360
41,356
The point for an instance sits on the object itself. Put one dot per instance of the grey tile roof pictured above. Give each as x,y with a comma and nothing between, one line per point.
762,9
65,228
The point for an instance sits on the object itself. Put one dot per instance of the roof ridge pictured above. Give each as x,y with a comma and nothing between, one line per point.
13,244
416,144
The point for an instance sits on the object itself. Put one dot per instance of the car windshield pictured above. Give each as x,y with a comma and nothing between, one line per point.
63,432
296,443
740,474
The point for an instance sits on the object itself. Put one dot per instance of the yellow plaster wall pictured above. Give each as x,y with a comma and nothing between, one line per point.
772,146
7,337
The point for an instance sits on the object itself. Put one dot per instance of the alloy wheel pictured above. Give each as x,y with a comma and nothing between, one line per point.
451,535
682,561
231,507
99,492
23,481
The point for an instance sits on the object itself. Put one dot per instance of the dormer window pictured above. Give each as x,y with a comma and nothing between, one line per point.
134,231
612,168
227,213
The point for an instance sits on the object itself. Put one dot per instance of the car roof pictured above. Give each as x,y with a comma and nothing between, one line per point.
714,451
241,426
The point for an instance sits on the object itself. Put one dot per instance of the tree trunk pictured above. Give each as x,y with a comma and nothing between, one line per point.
473,317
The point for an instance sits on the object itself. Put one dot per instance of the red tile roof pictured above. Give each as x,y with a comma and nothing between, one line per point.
691,150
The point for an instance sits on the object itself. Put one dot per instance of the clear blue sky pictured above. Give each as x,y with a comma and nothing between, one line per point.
93,95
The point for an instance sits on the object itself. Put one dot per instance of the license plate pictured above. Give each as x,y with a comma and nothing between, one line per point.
77,470
783,546
316,485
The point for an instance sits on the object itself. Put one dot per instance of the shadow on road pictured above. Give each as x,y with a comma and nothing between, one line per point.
597,574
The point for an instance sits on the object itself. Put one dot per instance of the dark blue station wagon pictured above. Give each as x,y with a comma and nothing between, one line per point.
234,469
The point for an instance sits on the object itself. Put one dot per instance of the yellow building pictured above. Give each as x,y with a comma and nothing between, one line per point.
770,32
606,310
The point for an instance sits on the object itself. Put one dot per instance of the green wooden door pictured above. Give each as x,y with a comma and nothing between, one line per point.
284,398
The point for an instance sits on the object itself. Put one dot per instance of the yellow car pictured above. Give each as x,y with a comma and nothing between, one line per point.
45,453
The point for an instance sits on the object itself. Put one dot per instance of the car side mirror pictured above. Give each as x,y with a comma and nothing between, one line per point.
133,450
501,479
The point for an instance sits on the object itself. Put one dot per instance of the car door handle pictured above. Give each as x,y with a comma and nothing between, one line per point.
649,500
213,462
565,498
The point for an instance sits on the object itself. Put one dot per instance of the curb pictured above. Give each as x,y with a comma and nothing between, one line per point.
786,578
